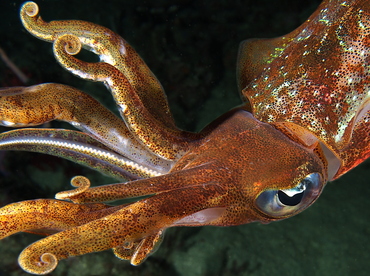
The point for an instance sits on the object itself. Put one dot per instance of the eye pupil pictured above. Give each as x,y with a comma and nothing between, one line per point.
283,203
290,200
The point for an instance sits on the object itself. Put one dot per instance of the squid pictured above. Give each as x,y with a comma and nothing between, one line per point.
304,122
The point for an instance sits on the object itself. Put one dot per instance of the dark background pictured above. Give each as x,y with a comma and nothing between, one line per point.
191,46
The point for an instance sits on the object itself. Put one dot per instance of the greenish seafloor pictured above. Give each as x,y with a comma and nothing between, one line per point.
191,46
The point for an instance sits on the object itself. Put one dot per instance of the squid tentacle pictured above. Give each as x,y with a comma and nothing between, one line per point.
137,252
129,224
34,105
143,187
168,143
112,49
41,216
79,148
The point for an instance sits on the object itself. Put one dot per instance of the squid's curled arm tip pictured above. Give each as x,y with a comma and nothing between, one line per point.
81,184
68,43
42,265
30,9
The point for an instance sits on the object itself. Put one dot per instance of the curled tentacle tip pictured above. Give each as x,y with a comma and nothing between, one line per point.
46,264
69,43
30,8
80,182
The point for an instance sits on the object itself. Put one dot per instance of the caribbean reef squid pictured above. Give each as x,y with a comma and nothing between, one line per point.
305,121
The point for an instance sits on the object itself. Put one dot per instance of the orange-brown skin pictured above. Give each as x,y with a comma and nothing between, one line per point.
329,71
221,176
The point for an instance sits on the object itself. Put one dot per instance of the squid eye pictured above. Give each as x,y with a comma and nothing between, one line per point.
283,203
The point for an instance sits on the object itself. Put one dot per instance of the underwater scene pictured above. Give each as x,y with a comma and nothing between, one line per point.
191,47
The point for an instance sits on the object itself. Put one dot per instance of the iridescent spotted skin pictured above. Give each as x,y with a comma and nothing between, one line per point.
319,75
306,122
